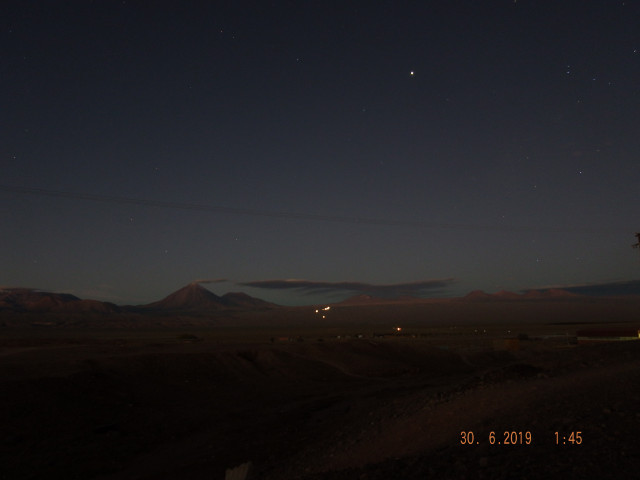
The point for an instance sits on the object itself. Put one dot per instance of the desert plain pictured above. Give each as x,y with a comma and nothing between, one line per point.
413,390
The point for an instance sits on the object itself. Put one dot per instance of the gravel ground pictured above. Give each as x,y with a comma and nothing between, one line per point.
358,409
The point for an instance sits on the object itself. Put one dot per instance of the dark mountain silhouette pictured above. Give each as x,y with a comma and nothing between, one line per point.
365,299
192,297
552,293
505,295
32,300
195,298
476,295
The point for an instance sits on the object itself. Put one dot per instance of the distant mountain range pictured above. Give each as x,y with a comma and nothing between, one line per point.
190,299
364,299
194,299
474,296
29,300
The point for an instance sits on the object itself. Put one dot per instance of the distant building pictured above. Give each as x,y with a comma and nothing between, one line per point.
607,335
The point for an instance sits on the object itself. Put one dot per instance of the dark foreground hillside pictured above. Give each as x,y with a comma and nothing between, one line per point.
127,405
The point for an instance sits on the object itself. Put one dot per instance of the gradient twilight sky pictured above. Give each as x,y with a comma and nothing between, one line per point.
448,145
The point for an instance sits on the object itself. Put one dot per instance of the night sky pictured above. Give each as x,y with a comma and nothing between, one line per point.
390,148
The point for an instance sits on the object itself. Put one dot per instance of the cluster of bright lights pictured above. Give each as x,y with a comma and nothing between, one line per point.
324,310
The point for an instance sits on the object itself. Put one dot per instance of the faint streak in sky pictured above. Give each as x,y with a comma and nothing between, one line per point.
301,216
